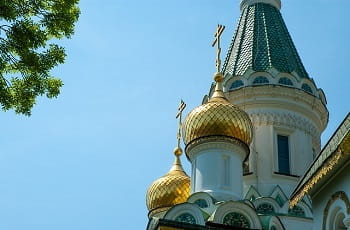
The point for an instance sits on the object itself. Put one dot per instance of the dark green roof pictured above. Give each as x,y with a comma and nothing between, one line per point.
262,41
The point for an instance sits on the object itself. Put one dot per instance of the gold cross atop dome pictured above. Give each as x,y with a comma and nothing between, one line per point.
181,108
216,41
174,187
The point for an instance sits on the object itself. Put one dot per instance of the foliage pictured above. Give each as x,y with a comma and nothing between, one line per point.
27,52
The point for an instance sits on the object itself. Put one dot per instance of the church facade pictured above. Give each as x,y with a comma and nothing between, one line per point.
254,143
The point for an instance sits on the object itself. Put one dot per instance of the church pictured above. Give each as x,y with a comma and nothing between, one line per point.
255,142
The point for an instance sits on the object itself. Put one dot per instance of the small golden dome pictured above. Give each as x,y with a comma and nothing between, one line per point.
218,117
169,190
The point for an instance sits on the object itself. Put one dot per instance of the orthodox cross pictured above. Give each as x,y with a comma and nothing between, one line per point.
216,41
181,108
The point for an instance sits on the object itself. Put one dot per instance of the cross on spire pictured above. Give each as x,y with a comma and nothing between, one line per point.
216,41
181,108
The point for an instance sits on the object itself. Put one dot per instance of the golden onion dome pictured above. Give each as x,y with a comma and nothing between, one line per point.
169,190
218,117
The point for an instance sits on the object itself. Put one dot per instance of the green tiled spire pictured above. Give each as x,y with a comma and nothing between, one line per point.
262,41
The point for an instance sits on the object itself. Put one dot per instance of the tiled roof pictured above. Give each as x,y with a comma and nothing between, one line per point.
262,41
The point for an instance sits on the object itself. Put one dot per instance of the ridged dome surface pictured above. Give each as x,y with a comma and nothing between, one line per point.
218,117
169,190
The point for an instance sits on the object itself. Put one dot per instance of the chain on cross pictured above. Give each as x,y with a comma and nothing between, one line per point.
216,41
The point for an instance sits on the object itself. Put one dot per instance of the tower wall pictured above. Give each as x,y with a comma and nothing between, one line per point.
217,169
280,111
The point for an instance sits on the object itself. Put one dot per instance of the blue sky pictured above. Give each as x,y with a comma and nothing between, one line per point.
86,159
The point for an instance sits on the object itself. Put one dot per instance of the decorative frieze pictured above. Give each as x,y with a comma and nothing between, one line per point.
286,119
274,96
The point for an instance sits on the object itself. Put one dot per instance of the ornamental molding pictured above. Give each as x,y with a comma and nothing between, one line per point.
346,222
185,208
252,193
276,223
340,195
216,142
328,165
202,195
237,207
267,200
286,119
157,211
291,98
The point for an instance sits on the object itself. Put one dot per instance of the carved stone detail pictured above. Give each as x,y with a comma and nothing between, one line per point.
338,195
266,94
290,120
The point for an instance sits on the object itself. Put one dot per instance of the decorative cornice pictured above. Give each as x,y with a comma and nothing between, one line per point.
309,105
327,166
286,119
222,142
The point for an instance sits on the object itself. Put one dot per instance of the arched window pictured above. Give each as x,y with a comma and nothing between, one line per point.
296,211
201,203
285,81
236,84
265,208
306,88
236,220
186,218
260,80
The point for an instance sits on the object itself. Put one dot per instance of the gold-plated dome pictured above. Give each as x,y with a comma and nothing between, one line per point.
218,117
169,190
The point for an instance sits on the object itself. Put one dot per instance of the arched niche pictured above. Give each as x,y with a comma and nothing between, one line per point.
231,211
187,213
337,211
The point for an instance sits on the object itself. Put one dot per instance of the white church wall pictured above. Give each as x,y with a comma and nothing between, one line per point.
294,223
263,158
276,110
339,183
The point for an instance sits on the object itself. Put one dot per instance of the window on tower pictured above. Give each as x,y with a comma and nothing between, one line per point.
283,154
285,81
306,88
260,80
236,84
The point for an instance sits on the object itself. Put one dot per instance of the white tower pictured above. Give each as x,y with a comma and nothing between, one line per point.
265,77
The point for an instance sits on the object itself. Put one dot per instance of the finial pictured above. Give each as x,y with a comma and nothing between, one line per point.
216,41
219,92
178,151
181,108
246,3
